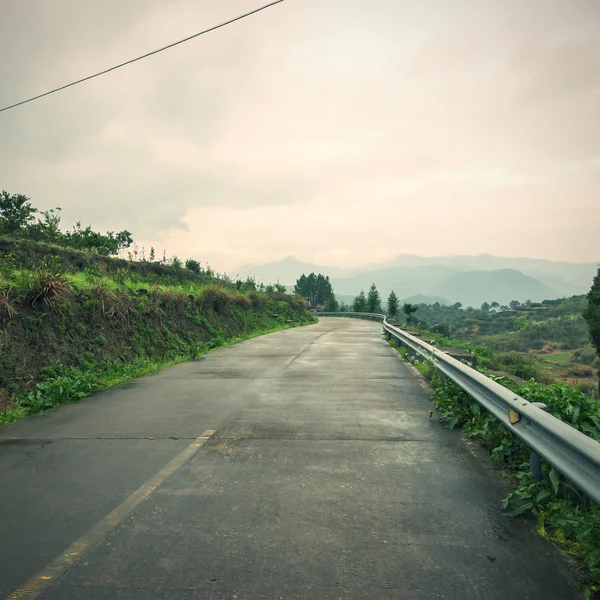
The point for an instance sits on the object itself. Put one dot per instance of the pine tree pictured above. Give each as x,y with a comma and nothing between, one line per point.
392,304
373,300
316,289
360,302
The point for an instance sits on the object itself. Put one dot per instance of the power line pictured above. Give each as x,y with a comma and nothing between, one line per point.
187,39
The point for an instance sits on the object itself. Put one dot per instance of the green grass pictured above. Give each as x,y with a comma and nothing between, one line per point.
558,358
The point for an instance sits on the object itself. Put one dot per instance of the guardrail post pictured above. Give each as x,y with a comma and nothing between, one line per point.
535,460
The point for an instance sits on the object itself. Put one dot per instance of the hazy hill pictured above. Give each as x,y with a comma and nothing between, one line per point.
577,275
286,271
405,281
472,288
426,299
409,275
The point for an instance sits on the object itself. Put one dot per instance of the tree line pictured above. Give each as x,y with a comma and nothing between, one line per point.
317,290
372,303
18,220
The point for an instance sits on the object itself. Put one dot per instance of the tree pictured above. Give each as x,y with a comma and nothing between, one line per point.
495,305
48,228
152,254
515,304
315,288
520,323
373,300
192,265
331,304
108,244
457,306
360,302
485,307
409,310
392,304
591,314
16,212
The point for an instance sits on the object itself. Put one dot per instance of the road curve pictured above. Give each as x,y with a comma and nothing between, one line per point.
298,465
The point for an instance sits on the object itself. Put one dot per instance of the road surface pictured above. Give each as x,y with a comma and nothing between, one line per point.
298,465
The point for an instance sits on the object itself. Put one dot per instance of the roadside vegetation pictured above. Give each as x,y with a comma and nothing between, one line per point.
562,514
74,319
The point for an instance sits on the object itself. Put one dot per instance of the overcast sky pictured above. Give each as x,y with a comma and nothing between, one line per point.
341,131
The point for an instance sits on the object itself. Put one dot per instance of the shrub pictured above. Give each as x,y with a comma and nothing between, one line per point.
176,300
586,355
242,301
257,300
518,364
297,303
42,287
216,297
577,370
104,296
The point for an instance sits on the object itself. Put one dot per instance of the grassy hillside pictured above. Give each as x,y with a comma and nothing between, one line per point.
73,322
547,341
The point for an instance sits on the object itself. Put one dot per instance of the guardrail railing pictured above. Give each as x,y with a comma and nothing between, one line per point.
569,451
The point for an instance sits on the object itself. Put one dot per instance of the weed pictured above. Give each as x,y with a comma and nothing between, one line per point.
7,309
47,285
104,296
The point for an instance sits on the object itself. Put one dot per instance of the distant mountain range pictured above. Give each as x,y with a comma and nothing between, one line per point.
470,280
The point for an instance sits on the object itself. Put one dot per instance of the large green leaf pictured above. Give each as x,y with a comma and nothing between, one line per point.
515,512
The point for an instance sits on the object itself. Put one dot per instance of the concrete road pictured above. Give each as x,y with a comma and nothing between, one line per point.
298,465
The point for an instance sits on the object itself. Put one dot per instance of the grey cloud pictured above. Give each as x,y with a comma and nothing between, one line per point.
405,106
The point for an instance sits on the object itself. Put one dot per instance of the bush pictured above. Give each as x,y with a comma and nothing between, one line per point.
577,370
242,301
257,300
586,355
45,286
518,364
217,298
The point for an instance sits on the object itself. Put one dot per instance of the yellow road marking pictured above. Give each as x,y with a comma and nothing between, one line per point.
98,532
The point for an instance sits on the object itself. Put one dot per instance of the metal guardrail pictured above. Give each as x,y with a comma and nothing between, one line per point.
569,451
